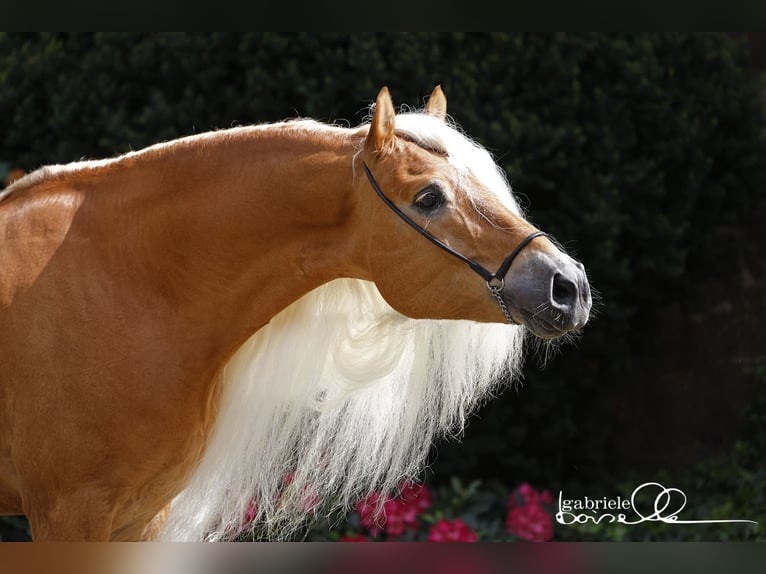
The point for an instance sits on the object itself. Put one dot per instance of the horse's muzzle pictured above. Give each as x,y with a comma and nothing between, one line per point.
548,292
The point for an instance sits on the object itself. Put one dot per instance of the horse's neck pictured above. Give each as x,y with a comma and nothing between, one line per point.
242,225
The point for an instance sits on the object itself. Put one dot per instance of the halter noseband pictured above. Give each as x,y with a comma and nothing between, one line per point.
495,281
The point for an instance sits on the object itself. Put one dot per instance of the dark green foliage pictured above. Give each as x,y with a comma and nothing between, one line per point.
728,486
643,154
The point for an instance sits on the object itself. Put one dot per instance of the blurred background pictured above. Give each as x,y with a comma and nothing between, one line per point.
643,154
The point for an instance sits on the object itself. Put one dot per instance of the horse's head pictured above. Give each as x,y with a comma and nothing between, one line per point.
475,256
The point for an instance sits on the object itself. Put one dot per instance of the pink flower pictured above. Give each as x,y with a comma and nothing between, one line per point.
415,495
451,531
251,512
525,494
530,522
310,499
396,514
369,513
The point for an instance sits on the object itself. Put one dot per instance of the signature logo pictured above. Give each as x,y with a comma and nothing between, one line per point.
667,505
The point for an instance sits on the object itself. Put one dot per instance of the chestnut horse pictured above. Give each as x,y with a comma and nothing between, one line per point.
236,328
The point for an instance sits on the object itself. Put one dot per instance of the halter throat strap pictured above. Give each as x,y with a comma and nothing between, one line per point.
495,281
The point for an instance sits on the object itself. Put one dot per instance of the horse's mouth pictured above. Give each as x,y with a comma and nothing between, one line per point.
548,294
540,326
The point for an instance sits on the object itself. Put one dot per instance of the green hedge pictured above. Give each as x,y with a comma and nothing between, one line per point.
638,152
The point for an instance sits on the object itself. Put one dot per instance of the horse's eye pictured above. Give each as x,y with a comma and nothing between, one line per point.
430,199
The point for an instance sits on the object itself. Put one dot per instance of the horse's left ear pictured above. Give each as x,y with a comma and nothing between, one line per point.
437,104
382,125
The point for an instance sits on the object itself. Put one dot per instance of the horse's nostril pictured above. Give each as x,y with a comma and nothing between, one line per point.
564,291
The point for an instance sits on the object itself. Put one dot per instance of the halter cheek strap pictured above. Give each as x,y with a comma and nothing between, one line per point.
495,281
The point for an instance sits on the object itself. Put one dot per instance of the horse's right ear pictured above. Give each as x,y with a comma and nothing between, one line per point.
382,125
437,104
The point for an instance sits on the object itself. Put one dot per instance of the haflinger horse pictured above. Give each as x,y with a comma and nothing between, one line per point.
242,328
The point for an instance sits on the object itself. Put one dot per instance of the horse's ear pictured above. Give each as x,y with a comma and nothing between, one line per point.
437,104
382,125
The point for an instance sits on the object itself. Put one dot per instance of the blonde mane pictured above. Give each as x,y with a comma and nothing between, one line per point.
343,395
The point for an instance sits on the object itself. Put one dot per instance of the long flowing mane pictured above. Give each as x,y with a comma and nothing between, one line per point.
339,395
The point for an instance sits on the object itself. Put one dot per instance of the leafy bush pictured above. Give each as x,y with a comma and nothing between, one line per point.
730,487
727,487
457,512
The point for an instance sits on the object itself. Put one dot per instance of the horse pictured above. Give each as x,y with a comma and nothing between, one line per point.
218,331
12,176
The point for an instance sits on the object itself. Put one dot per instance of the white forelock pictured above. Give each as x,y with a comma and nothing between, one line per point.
463,152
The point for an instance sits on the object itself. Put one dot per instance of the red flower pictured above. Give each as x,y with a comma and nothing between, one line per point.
530,522
525,494
353,538
451,531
